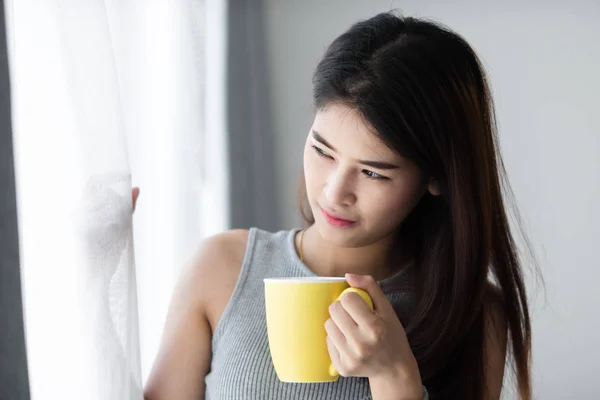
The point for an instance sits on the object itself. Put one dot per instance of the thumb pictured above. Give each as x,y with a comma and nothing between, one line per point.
368,284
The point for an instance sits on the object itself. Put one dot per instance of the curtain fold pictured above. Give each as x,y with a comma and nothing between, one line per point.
104,90
74,190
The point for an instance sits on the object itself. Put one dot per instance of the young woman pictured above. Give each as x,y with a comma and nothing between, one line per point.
403,195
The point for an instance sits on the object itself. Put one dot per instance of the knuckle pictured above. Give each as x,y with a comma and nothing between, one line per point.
347,299
376,332
352,300
363,352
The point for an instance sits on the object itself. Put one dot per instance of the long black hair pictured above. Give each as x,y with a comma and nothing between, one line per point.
424,91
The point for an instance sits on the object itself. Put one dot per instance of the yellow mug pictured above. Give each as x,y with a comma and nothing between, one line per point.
296,310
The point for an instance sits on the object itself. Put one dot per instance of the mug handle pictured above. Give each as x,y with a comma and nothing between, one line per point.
365,296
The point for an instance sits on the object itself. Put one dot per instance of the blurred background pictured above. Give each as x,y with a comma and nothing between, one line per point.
216,106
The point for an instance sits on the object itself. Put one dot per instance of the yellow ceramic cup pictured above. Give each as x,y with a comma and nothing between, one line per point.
297,309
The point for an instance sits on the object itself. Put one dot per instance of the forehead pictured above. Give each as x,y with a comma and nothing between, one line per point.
346,129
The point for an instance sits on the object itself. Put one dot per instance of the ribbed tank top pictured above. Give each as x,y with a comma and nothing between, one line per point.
241,366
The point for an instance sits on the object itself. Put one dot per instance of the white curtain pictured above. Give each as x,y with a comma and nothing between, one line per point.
103,91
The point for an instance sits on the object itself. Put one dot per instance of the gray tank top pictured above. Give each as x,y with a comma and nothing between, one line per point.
241,366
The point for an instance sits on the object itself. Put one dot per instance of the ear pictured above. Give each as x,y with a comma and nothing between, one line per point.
434,187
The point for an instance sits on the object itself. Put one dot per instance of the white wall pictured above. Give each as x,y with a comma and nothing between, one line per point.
543,60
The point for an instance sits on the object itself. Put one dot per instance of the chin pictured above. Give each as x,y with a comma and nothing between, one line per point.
341,237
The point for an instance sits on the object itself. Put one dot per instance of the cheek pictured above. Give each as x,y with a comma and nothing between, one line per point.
389,206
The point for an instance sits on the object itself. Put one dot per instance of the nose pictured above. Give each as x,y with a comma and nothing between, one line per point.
339,189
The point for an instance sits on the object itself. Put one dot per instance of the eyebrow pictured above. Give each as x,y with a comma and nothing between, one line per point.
374,164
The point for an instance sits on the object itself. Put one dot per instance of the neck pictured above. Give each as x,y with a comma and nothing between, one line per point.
327,259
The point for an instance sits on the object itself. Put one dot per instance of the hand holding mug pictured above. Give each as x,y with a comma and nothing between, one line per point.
367,343
296,311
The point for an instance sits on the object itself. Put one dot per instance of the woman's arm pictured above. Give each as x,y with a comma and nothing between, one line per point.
184,355
202,292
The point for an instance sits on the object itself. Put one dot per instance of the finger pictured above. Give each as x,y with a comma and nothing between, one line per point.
366,282
334,354
358,309
343,321
135,192
334,333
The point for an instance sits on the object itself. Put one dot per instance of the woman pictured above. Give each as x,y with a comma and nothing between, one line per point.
403,196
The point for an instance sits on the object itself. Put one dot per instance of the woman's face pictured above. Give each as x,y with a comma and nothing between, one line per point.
359,189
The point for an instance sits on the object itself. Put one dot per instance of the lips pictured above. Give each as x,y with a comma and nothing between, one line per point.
336,221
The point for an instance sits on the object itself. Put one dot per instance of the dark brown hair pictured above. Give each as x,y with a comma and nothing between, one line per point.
423,90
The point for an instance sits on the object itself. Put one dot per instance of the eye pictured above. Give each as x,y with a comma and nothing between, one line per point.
320,152
375,176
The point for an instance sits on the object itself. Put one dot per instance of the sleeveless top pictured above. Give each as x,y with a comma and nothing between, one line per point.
241,366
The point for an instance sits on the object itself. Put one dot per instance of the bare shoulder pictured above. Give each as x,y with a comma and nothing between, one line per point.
227,244
216,267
